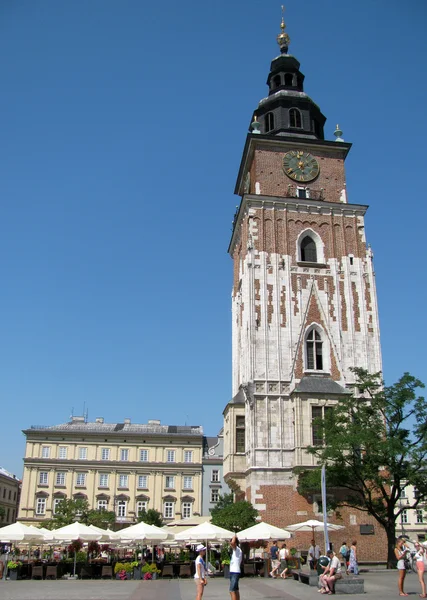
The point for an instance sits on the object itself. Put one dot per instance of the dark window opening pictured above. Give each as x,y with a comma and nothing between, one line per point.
314,351
308,250
289,78
302,193
351,260
295,118
240,434
317,413
277,81
269,122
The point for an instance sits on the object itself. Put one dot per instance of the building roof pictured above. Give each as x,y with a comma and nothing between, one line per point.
320,385
7,474
78,424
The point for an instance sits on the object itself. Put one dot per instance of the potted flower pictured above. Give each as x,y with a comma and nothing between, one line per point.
293,560
150,571
14,567
136,569
225,560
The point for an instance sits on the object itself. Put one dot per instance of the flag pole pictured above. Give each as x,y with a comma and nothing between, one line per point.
325,516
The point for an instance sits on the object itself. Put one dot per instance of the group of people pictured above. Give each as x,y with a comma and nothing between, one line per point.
401,552
200,576
279,561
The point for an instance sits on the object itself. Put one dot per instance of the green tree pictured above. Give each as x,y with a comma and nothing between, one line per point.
150,516
104,519
375,447
68,511
234,516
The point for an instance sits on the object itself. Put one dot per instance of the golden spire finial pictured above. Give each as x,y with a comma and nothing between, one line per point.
283,38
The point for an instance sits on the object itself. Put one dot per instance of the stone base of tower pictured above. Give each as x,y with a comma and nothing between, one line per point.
274,494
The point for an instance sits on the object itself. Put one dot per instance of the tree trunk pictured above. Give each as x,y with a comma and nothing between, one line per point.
391,543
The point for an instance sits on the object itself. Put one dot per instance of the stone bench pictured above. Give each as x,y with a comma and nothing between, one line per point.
307,577
350,585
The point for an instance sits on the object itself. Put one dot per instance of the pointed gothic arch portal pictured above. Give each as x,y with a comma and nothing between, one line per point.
310,247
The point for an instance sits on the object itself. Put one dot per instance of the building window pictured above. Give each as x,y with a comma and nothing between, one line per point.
105,454
295,118
123,481
303,192
4,492
416,493
41,506
121,508
56,503
168,510
81,479
60,478
289,79
277,81
124,454
43,480
188,456
10,494
102,504
420,515
140,506
82,453
269,122
188,483
240,434
103,480
308,250
62,452
186,510
214,495
404,516
170,457
318,412
314,351
143,455
170,482
143,481
402,493
215,476
46,452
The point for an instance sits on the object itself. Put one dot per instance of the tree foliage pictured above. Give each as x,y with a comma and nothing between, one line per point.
375,447
70,510
150,516
234,516
2,513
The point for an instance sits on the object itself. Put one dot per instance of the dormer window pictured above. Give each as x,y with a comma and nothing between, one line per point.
308,250
295,118
269,122
314,351
277,81
289,79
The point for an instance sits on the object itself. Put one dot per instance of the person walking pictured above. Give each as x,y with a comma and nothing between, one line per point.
313,554
345,553
400,553
283,556
420,557
235,562
275,562
200,574
353,565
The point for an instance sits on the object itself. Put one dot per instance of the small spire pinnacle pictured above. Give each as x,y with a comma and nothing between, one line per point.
283,38
338,134
255,126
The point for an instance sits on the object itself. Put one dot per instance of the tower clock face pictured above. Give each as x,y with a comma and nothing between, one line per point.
300,165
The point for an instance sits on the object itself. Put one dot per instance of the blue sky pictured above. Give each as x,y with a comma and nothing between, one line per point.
122,127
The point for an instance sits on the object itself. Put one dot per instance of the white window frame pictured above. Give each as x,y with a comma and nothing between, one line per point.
103,477
102,504
83,453
143,455
122,507
60,478
214,496
215,476
326,366
62,452
187,510
320,246
105,453
141,505
419,516
404,516
170,456
41,506
188,482
80,479
123,481
45,451
307,194
124,454
142,482
168,509
170,482
188,456
43,478
55,505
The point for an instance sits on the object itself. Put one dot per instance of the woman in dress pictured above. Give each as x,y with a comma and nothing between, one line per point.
353,566
420,557
283,556
400,551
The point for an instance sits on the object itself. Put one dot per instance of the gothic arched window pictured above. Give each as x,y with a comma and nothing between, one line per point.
295,118
314,351
308,250
289,78
269,122
277,81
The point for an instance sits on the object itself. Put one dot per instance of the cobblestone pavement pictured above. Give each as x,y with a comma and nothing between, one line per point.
378,586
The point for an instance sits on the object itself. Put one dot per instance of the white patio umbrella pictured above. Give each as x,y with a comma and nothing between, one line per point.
18,532
204,532
142,532
263,531
103,532
313,525
75,531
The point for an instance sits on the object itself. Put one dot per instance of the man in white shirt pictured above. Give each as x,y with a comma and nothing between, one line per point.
313,554
332,572
235,562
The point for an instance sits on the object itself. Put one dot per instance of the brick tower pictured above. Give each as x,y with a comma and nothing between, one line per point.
304,307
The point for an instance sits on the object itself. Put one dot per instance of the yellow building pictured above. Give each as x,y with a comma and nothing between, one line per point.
122,467
10,487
